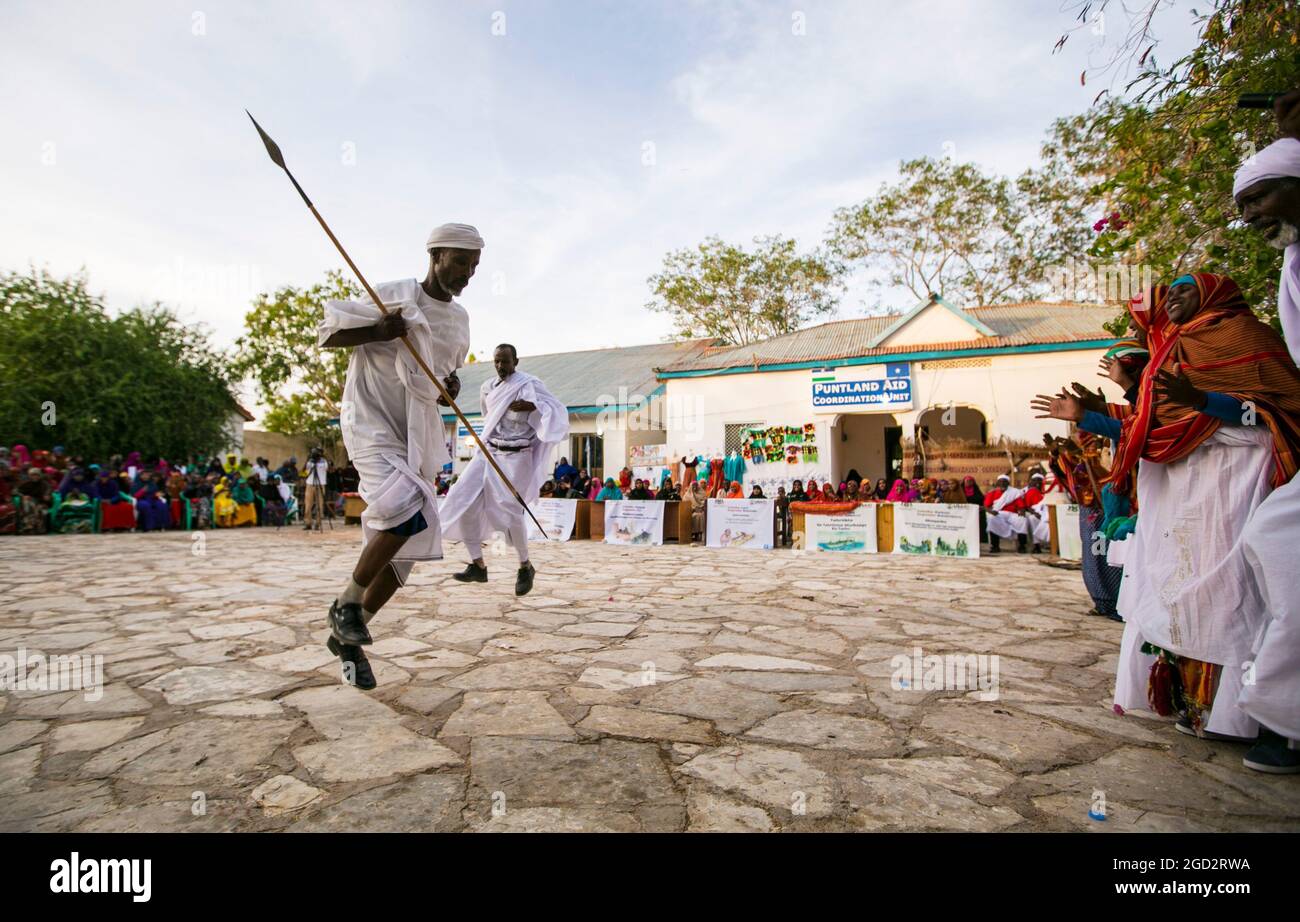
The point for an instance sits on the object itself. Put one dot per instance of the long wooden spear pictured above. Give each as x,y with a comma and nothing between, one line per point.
273,150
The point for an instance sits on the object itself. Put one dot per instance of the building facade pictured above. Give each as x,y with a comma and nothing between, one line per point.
850,395
854,394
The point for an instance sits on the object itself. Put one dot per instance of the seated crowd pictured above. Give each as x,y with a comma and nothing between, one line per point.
53,492
1012,510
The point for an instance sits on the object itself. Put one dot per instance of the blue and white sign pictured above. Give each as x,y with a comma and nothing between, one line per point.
862,387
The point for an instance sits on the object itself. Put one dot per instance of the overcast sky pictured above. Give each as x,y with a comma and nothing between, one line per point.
584,142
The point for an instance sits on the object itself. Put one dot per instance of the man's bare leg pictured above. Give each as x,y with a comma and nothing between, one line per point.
376,556
379,591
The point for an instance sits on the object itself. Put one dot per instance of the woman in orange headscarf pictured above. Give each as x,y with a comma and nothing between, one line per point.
1216,423
1205,342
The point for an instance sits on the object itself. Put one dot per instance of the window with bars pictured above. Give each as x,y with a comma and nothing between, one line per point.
734,435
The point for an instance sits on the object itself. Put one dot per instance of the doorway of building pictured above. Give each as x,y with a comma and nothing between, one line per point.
955,426
587,450
893,453
868,443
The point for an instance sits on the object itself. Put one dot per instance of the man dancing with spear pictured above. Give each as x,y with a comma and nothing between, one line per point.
393,429
390,422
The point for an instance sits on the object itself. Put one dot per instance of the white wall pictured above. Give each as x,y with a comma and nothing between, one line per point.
616,440
234,435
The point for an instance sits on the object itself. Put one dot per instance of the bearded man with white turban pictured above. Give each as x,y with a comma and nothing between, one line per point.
522,424
392,427
1267,190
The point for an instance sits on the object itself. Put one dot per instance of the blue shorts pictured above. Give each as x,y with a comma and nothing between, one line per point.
412,526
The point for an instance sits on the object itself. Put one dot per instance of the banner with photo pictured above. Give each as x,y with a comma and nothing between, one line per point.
740,523
557,517
654,475
846,533
1069,541
634,521
937,529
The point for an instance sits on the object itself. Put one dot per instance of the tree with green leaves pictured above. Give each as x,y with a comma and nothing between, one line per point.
951,229
101,385
1159,158
721,291
300,384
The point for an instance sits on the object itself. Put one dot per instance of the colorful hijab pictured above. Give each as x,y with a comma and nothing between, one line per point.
898,492
108,487
1223,347
74,479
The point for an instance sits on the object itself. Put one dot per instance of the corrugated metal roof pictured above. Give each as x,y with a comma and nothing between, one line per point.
584,379
1025,324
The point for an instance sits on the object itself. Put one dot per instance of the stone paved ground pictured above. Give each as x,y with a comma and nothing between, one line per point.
770,705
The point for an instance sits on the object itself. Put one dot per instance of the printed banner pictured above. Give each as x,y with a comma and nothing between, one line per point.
847,533
647,456
557,517
655,475
740,523
1067,532
937,529
634,521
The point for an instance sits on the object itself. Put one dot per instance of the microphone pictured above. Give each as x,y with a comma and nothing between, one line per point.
1257,100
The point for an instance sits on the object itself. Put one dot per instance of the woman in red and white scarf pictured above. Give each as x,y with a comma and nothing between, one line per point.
1217,426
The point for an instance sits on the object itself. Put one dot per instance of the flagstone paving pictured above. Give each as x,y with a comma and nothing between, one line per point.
663,689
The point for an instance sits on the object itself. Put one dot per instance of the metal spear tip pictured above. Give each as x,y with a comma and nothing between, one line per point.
271,147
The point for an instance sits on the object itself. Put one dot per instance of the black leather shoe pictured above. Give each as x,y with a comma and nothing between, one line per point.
471,574
348,624
524,581
356,668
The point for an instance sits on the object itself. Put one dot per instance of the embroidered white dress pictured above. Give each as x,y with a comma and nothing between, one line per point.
1187,586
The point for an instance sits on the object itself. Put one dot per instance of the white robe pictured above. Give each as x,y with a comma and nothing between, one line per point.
1186,585
1006,524
1271,539
1042,525
391,420
479,491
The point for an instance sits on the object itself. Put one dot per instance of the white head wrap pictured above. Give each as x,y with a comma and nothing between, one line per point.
458,236
1279,159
